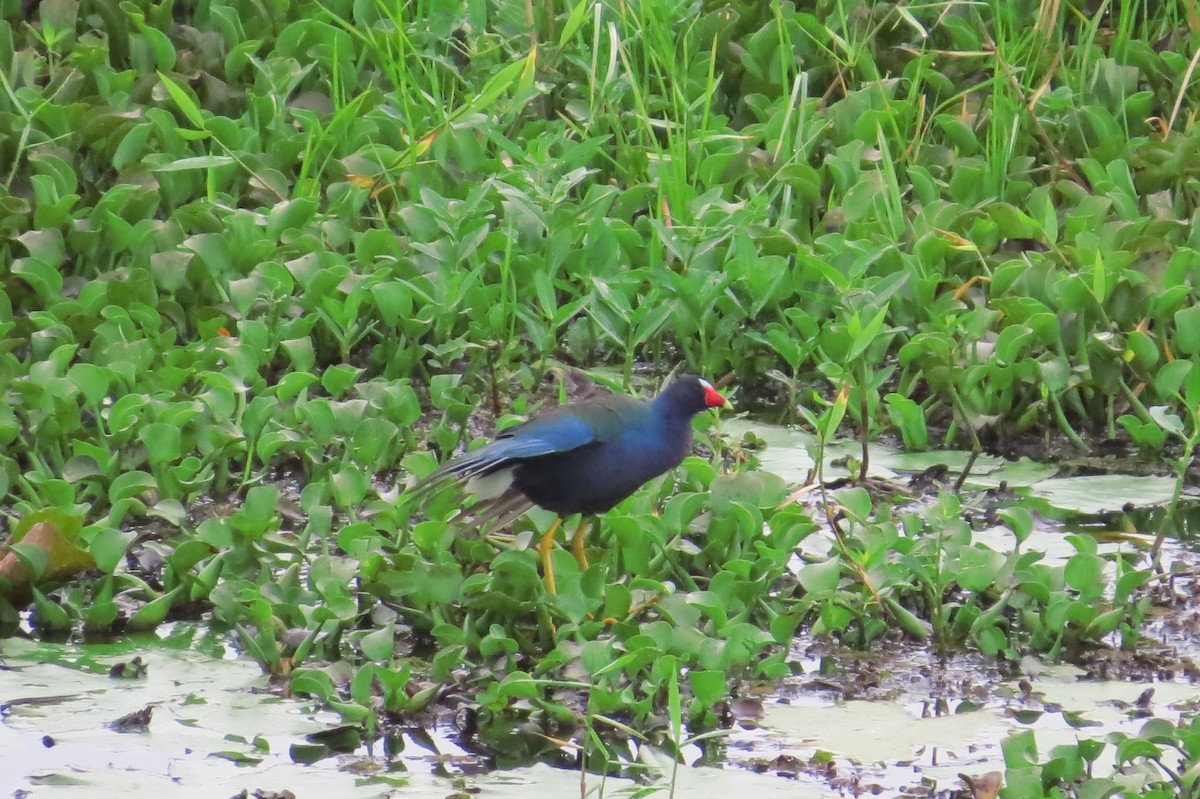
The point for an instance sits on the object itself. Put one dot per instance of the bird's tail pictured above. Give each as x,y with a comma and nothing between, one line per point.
480,483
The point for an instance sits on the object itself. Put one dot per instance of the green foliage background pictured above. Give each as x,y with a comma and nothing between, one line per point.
254,244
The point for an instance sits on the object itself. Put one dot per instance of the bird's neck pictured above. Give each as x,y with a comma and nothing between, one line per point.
667,407
670,415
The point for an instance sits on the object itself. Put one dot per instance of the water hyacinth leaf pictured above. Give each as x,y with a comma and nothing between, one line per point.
290,215
44,546
260,505
1083,572
337,379
1166,419
349,485
302,354
131,485
979,567
49,616
1145,434
80,468
708,686
908,621
154,612
100,613
163,442
821,579
1187,330
432,536
45,246
213,250
758,489
907,416
1170,378
41,277
31,556
1020,750
990,640
379,644
92,380
1019,520
107,547
1105,623
312,682
856,502
519,685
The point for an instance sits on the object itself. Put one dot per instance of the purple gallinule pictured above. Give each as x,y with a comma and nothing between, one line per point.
580,458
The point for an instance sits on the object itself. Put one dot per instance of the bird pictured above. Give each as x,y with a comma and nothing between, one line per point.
580,458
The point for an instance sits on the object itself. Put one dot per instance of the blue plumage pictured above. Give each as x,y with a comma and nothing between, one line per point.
584,457
579,458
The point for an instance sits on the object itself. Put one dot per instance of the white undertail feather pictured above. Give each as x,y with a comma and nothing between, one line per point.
490,485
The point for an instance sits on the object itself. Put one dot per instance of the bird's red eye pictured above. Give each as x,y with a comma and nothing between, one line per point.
711,398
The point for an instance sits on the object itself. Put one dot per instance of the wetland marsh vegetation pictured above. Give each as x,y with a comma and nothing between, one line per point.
265,263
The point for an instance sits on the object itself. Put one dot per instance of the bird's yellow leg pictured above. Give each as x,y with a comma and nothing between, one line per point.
544,546
577,544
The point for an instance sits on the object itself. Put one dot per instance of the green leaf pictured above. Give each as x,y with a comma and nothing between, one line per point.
917,628
32,557
1169,378
181,97
868,334
1084,572
260,505
163,442
154,612
43,278
313,683
195,162
1187,330
107,547
49,615
379,644
979,567
349,485
990,640
338,378
709,686
821,579
908,417
1020,750
132,484
497,85
579,15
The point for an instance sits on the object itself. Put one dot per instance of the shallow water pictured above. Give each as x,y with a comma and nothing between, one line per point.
889,721
217,729
896,721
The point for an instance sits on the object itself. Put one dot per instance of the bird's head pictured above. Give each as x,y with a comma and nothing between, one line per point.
691,395
711,398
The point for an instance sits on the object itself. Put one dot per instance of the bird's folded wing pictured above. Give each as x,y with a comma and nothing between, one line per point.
530,440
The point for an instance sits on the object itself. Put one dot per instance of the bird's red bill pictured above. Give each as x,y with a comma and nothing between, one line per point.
711,398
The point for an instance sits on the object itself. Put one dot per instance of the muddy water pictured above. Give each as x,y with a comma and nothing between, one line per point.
902,721
897,721
216,729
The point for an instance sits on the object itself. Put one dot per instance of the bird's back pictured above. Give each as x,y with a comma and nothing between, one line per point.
633,445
